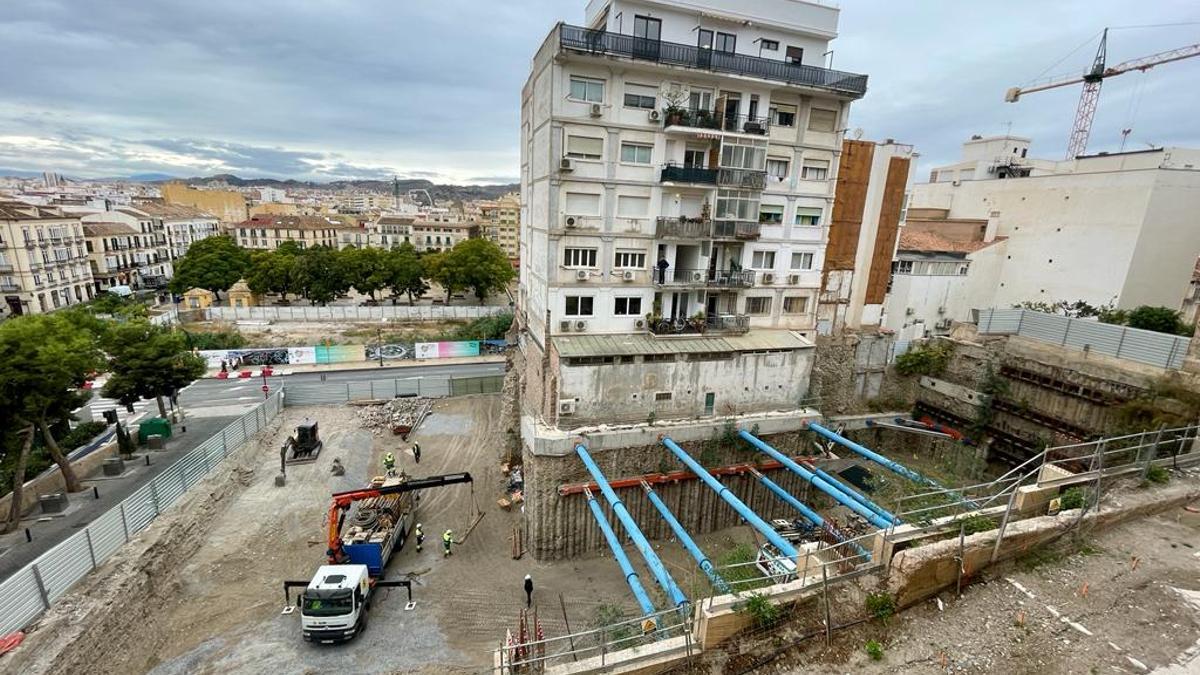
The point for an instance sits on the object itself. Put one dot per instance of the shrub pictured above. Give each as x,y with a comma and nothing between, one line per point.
977,523
81,435
881,605
1073,498
874,650
927,358
1157,474
225,339
762,611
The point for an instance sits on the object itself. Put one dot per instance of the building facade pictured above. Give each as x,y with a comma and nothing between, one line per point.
677,165
501,224
432,236
43,259
180,226
268,232
228,205
122,255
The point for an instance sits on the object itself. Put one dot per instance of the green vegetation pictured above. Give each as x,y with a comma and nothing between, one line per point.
926,358
875,650
80,435
604,616
1157,474
222,339
148,361
215,263
745,576
1165,402
977,523
992,386
761,610
1159,319
1074,498
881,605
1146,317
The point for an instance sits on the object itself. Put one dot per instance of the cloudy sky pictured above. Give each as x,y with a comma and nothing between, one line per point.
323,89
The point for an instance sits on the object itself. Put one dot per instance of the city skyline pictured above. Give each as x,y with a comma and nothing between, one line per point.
273,90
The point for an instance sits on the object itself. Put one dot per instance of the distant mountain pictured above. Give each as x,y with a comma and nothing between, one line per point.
19,173
439,192
150,177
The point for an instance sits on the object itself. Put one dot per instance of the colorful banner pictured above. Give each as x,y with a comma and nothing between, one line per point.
446,350
339,353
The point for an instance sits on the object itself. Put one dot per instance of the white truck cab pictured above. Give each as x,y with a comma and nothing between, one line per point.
333,606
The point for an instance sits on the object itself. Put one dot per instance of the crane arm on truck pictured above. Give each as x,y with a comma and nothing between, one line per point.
342,501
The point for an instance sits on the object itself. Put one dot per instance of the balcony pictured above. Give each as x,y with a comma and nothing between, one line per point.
9,287
6,266
700,118
724,324
604,43
673,173
742,179
704,278
682,227
736,229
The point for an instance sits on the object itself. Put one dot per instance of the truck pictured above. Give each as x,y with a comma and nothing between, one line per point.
334,603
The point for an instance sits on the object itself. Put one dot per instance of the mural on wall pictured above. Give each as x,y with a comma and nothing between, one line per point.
445,350
277,356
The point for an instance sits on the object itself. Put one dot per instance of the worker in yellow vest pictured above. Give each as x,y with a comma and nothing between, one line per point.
447,538
389,464
420,534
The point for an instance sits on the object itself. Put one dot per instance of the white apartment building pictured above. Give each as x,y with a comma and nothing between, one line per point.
676,175
1107,228
43,261
123,255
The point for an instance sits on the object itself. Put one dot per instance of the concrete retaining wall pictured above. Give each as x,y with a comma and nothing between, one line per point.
53,481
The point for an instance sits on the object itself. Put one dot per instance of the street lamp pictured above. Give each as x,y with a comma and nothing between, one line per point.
379,333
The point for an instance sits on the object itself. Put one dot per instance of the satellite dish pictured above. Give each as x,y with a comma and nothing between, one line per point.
858,133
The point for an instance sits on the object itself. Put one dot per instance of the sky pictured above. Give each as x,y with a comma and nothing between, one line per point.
330,89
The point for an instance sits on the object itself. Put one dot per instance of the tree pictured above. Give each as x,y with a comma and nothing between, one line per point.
320,274
404,273
213,263
365,269
481,266
148,361
44,360
18,481
441,269
1160,319
272,272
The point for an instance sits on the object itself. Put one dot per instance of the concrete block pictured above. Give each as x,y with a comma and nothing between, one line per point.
280,480
55,502
113,466
155,442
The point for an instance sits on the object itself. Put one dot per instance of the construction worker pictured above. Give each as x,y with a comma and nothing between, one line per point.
420,537
447,539
528,590
417,452
389,464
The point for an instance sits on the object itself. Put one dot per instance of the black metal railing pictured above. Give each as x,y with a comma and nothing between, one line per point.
683,276
596,41
736,229
745,179
702,118
721,324
673,173
683,227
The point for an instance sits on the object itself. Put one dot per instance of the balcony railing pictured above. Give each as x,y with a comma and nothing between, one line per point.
604,43
745,179
673,173
704,278
736,229
701,118
724,324
10,288
6,266
682,227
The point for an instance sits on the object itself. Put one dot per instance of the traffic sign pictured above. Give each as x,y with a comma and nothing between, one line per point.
265,388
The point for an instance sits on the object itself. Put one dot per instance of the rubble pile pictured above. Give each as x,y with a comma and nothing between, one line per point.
398,416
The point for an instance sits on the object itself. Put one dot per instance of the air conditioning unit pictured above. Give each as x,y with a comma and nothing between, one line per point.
640,323
941,310
581,275
566,406
627,275
768,278
697,276
564,326
566,164
655,115
580,326
793,279
596,111
944,324
570,221
909,311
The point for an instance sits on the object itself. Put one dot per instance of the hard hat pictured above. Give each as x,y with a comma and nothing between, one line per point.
418,526
527,577
388,456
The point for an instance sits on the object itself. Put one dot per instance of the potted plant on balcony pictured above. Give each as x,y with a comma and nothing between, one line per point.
675,111
697,321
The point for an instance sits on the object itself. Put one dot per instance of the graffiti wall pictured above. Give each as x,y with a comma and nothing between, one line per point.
321,354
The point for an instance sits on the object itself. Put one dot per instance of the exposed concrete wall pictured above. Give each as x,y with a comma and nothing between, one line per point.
851,369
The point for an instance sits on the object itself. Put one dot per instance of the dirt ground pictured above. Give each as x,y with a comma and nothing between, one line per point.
1126,600
292,333
201,592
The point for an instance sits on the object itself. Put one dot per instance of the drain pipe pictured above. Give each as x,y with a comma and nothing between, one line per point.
894,466
818,482
631,576
639,540
782,545
686,539
812,516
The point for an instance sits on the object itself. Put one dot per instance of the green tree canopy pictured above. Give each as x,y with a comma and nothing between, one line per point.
404,272
214,263
1160,319
321,275
365,269
441,269
148,361
481,266
273,272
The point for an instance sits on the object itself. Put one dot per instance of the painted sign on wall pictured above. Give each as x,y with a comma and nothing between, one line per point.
446,350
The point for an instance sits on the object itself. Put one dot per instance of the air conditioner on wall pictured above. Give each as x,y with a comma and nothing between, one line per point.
909,311
566,164
768,278
581,275
566,406
596,111
655,115
580,326
697,276
627,275
570,221
564,326
793,279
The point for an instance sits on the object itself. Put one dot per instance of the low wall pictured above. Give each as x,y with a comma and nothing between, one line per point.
52,479
661,657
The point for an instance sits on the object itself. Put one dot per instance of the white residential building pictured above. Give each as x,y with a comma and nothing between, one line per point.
1113,229
677,165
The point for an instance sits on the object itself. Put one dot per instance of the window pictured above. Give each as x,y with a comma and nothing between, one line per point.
695,159
640,96
769,45
770,214
585,147
794,55
629,206
802,261
902,267
758,306
795,304
820,119
815,169
777,169
630,259
704,39
783,115
737,205
763,260
658,358
627,306
645,27
579,305
739,153
725,42
700,99
587,89
579,257
808,216
636,154
662,396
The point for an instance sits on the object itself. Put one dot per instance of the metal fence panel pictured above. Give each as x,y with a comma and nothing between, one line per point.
1093,335
347,313
64,564
20,601
140,508
108,534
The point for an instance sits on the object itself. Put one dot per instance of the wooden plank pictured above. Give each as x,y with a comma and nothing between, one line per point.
854,173
889,229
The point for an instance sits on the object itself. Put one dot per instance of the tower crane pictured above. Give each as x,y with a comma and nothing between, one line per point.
1092,79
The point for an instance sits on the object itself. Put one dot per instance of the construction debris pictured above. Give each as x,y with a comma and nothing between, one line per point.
399,416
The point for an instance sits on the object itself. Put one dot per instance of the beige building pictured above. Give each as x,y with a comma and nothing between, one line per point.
178,226
388,231
227,205
435,236
122,255
268,232
501,222
43,262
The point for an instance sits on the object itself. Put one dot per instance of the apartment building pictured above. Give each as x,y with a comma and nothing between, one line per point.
180,226
433,236
121,255
390,231
501,223
268,232
227,205
43,261
676,178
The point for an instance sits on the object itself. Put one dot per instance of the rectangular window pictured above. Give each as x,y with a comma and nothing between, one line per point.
902,267
815,169
725,42
744,153
794,55
660,396
808,216
783,115
820,119
585,147
579,257
640,96
627,306
630,260
587,89
763,260
579,305
700,99
646,27
632,207
795,304
636,154
704,38
770,214
758,306
737,205
770,45
777,169
802,261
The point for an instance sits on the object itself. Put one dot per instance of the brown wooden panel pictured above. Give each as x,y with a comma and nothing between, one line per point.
854,174
889,229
